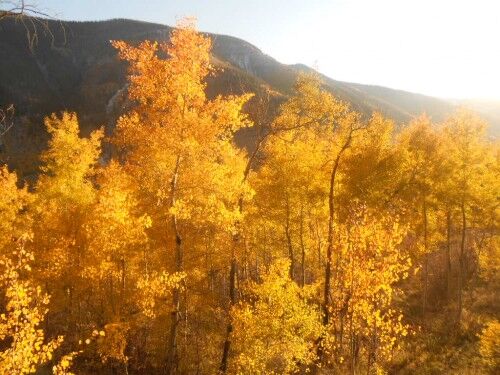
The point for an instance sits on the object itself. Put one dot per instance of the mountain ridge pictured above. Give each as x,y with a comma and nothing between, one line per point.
77,69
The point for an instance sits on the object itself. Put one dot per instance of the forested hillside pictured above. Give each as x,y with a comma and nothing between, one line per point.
337,242
72,66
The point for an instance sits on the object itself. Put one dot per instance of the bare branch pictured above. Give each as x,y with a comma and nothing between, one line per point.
31,16
6,119
20,9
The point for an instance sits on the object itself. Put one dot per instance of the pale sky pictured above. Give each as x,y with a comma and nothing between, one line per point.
444,48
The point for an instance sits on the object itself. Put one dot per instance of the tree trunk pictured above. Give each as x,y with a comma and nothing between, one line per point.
354,352
461,260
318,237
426,266
329,251
303,249
329,254
329,248
172,359
234,264
122,285
232,289
288,236
232,297
448,254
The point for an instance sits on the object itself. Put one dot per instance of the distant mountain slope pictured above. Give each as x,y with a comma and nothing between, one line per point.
77,69
489,110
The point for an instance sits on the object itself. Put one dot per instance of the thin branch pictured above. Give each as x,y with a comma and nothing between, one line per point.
31,17
6,120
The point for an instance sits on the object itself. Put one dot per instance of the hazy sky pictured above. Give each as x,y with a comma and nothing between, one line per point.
447,48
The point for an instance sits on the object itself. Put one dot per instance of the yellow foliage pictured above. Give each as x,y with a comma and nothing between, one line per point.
20,324
113,342
69,161
274,333
13,201
177,134
489,345
370,264
155,287
115,228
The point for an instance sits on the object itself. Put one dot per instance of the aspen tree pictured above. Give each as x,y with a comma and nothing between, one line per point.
175,135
